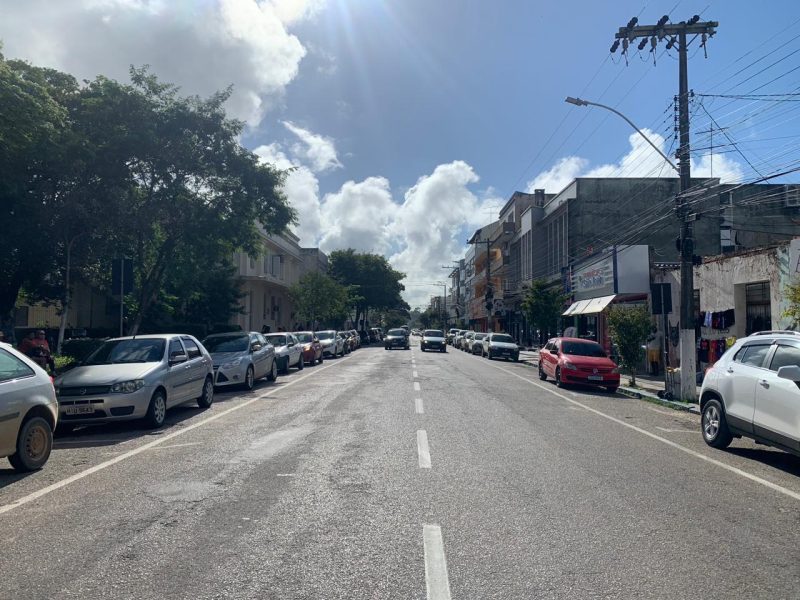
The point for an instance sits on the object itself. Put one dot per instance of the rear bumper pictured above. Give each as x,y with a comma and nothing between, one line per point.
608,379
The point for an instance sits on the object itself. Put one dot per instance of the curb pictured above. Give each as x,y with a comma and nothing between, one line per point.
639,394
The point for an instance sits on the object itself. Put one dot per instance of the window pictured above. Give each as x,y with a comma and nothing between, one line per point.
261,339
752,355
266,261
12,368
277,266
785,356
191,348
175,347
757,307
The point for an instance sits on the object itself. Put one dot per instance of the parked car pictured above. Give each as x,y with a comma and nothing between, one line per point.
396,338
332,344
241,358
137,377
753,391
356,338
499,345
312,349
476,344
365,339
466,341
573,360
375,336
433,339
451,335
345,341
288,351
28,411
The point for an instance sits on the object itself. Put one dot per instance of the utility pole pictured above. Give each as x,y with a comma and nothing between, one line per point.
675,34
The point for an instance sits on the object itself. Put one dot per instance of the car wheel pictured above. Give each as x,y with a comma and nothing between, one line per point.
157,410
320,359
273,372
301,364
542,374
285,366
443,350
611,389
715,427
249,378
559,383
489,355
206,399
34,443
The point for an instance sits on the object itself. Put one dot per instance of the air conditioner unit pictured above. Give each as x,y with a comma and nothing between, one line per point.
791,198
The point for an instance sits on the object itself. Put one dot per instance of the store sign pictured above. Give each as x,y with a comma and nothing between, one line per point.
593,280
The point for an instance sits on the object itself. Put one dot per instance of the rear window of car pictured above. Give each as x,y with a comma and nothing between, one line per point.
503,339
12,368
752,355
785,356
305,337
277,340
226,343
433,333
191,348
583,349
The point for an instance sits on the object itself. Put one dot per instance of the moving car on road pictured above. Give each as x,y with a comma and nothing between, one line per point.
752,391
396,338
433,339
499,345
28,411
288,351
138,377
332,344
573,360
312,349
240,358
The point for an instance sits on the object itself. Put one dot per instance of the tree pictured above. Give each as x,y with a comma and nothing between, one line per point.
543,305
792,297
319,299
629,327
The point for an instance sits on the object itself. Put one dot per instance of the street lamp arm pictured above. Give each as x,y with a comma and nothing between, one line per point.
581,102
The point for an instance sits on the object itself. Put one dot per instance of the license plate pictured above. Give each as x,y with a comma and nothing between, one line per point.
595,378
79,410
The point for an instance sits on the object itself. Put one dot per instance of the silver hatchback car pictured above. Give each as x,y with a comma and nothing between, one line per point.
28,411
136,377
241,358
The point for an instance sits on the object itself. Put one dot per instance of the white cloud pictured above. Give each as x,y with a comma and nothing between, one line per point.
313,148
640,161
201,46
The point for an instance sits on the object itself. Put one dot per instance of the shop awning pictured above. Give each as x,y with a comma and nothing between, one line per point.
576,308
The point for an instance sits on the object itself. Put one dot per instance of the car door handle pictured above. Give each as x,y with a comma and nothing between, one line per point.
763,383
730,369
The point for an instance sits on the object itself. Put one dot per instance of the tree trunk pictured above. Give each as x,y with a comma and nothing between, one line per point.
62,326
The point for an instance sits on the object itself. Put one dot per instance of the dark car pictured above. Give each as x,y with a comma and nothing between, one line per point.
396,338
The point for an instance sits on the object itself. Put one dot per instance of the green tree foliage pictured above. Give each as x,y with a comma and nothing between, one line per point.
629,327
543,305
792,297
319,300
374,284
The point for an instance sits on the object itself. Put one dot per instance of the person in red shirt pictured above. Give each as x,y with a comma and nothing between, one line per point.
40,350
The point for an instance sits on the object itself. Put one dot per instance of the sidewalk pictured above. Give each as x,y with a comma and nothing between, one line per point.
647,387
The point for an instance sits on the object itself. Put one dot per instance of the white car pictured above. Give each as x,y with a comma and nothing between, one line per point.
476,344
288,351
433,339
28,411
500,345
752,391
332,344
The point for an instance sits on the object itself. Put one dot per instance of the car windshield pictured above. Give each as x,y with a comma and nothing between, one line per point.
433,333
227,343
304,337
115,352
583,349
396,332
480,336
276,340
326,335
502,338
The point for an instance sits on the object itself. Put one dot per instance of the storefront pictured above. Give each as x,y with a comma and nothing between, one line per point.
621,275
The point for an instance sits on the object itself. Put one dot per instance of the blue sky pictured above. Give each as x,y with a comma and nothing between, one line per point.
409,121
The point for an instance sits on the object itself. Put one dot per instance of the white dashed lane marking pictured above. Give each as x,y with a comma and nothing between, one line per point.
422,449
416,386
418,406
437,581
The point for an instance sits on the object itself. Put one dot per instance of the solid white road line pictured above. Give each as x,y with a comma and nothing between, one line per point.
708,459
418,405
675,430
437,582
131,453
416,386
422,450
415,375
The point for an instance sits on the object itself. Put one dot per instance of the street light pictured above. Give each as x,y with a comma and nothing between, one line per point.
580,102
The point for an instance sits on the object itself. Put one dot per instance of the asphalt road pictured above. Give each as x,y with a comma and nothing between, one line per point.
404,475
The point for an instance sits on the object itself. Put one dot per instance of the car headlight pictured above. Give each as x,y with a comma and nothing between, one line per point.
233,363
307,347
127,387
570,366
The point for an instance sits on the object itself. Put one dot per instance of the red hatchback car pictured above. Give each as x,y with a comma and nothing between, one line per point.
312,349
577,361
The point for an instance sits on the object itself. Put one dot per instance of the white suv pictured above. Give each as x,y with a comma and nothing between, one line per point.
754,391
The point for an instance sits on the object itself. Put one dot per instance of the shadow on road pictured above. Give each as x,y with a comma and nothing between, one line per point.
778,459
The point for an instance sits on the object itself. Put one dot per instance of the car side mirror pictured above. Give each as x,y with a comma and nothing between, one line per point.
177,358
790,372
255,347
